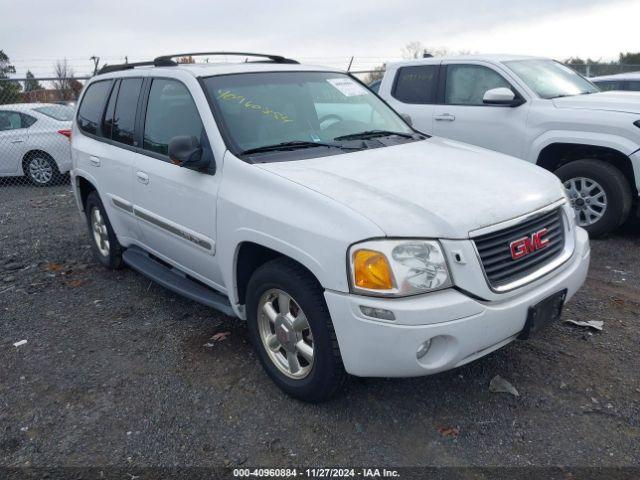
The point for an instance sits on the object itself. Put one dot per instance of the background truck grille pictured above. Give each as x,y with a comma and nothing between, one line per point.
495,251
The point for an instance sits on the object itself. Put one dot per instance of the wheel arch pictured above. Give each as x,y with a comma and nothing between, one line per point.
248,258
30,154
557,154
83,187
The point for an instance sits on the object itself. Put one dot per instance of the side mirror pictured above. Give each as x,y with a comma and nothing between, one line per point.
186,151
500,96
407,118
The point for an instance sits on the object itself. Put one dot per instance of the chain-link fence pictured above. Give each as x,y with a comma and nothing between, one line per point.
36,115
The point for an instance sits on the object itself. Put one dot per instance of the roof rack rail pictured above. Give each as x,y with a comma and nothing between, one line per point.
167,60
123,66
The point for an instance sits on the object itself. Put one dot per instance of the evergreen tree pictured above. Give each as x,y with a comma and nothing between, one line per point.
9,91
31,83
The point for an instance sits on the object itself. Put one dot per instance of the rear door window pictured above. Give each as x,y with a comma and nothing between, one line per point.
416,84
171,112
124,117
92,106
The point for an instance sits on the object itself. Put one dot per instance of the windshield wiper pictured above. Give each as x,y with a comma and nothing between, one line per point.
372,134
295,145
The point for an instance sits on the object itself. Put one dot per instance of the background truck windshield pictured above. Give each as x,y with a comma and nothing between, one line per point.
260,109
550,79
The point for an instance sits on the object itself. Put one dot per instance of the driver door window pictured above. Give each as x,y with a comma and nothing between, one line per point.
464,117
467,84
171,112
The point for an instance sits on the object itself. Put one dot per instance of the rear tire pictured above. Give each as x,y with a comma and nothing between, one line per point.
41,170
104,243
600,194
317,371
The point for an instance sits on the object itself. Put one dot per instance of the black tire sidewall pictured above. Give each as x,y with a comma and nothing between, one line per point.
321,381
55,176
616,188
114,260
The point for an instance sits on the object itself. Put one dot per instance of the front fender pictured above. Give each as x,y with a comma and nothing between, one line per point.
255,205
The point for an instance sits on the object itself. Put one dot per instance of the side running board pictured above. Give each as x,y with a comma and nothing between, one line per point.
176,280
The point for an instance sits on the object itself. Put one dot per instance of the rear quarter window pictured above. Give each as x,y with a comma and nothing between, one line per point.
62,113
92,106
416,84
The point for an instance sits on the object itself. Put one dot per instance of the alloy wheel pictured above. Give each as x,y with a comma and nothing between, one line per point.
40,170
588,199
285,333
99,230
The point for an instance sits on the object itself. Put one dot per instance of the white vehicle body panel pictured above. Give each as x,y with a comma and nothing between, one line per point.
415,178
313,210
604,119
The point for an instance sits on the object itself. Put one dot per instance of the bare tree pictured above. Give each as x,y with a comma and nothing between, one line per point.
376,74
418,50
413,50
64,82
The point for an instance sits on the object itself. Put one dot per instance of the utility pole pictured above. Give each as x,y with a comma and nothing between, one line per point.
96,62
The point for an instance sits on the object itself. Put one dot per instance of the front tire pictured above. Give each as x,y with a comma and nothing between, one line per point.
105,245
41,170
291,330
599,193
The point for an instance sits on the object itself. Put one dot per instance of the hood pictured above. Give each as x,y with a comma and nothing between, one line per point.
626,102
432,188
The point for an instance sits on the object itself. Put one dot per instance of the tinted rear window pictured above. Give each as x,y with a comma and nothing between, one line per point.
57,112
416,84
124,118
90,112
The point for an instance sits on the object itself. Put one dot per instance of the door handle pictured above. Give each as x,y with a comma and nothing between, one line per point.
95,161
18,141
445,117
142,177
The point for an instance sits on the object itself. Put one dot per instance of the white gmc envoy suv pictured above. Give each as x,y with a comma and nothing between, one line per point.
292,197
535,109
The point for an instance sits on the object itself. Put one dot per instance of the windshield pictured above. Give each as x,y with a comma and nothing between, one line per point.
57,112
300,109
550,79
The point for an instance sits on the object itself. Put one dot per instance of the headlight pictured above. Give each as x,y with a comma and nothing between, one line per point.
397,268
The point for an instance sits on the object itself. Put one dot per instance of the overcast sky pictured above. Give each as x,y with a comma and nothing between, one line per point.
36,33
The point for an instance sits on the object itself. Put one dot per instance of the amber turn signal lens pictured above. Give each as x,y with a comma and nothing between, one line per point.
371,270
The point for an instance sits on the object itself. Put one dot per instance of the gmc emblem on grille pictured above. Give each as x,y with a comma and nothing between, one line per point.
526,245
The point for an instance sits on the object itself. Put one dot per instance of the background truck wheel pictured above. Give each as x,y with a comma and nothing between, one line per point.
41,170
292,332
599,193
103,239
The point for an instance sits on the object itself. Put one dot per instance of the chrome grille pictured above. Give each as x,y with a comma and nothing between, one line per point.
495,249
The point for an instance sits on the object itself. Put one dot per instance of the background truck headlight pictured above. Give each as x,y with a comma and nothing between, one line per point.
397,268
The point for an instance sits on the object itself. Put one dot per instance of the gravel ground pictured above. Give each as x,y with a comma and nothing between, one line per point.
118,371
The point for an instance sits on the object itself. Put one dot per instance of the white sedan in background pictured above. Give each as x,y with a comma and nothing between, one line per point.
34,141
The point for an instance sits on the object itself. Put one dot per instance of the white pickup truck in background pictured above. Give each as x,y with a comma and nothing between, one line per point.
535,109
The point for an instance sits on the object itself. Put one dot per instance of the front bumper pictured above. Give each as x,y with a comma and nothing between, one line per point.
462,328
